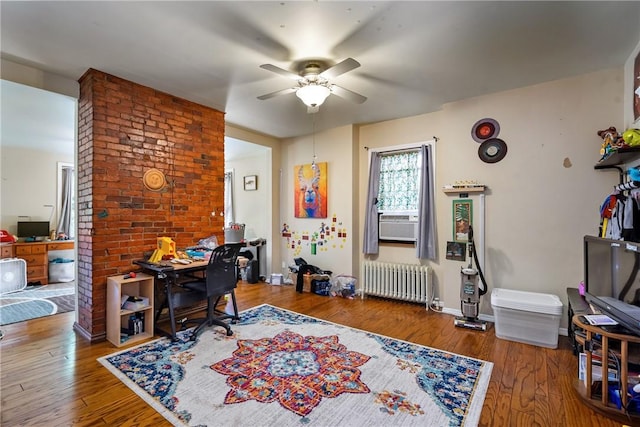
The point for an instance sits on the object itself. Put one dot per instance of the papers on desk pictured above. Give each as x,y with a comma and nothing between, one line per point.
599,320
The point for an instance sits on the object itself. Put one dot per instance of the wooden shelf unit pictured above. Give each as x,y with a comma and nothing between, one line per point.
117,317
602,403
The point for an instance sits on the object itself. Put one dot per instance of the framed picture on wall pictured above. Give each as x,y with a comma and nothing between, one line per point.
250,182
456,251
310,190
462,214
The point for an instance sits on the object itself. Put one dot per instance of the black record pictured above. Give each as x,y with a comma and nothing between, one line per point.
492,150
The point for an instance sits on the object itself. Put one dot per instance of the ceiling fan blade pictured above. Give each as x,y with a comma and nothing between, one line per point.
340,68
348,94
281,71
277,93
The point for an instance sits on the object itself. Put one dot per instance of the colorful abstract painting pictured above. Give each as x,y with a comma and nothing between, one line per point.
310,190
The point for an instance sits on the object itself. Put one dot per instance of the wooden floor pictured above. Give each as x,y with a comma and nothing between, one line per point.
50,375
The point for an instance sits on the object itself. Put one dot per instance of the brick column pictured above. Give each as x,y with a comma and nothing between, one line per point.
124,130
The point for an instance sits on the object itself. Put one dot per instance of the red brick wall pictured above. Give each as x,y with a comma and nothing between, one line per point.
124,130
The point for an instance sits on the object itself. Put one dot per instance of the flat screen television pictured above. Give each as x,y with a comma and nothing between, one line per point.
612,279
33,229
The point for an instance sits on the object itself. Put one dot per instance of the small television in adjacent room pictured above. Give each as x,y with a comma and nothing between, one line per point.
33,229
612,279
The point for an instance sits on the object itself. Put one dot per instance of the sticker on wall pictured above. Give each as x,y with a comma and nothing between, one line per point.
310,190
324,238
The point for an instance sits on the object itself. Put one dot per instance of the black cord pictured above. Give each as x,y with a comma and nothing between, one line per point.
482,290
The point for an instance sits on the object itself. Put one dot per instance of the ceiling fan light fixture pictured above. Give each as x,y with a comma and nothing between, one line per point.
313,95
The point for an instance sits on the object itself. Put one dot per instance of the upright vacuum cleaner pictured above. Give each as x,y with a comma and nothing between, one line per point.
471,291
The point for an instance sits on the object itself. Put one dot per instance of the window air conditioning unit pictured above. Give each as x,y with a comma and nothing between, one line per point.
398,227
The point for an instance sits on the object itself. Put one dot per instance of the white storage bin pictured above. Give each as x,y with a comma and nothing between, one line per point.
527,317
62,272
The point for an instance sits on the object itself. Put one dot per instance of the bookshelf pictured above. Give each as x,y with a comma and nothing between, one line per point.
595,394
118,318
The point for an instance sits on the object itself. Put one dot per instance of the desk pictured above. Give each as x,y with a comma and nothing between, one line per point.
174,297
36,255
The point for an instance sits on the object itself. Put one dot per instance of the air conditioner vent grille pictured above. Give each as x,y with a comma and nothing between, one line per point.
398,227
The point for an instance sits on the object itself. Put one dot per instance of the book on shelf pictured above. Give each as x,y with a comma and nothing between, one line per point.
596,369
599,320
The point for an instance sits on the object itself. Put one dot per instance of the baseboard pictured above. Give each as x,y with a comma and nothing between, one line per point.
87,335
454,312
490,318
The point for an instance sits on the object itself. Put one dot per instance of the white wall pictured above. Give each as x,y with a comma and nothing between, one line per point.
269,182
28,181
336,252
542,197
250,207
629,92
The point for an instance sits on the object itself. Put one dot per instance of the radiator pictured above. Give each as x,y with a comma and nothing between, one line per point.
409,282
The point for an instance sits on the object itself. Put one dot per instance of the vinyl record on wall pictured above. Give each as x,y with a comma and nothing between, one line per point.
492,150
484,129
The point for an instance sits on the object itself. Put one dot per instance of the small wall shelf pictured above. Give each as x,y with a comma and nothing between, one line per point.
622,156
464,190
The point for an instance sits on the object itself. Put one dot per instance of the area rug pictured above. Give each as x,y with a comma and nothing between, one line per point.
282,368
36,301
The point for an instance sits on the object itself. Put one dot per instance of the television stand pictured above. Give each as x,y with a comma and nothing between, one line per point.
600,400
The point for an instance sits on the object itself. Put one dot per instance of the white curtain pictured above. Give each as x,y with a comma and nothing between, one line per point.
65,224
228,198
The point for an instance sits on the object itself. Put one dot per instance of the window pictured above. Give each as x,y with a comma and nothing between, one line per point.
67,200
405,183
399,181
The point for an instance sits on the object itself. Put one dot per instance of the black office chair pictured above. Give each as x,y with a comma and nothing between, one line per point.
220,280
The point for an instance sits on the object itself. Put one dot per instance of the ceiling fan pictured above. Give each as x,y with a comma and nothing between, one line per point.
314,84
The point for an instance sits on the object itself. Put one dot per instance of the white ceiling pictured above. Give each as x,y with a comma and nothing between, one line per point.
37,119
415,56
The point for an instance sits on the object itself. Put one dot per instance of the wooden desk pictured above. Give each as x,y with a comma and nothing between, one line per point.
36,256
171,275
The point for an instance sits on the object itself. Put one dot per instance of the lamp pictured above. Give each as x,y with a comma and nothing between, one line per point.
313,94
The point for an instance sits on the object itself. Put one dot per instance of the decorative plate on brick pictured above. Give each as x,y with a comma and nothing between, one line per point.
154,179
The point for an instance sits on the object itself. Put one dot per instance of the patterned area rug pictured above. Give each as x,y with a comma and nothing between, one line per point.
37,301
286,369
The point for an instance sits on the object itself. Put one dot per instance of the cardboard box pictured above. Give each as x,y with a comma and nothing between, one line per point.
306,280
